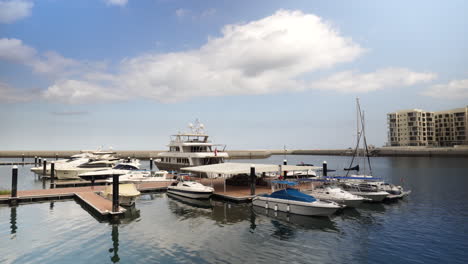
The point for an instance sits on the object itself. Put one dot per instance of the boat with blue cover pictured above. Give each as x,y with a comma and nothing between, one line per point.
291,200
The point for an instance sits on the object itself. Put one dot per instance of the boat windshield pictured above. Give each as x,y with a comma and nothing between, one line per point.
125,167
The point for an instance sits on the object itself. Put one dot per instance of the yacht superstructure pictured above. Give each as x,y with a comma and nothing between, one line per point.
190,149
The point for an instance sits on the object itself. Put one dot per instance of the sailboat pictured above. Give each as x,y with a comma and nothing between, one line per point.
365,184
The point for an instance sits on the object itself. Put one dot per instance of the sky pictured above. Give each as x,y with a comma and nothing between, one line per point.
127,74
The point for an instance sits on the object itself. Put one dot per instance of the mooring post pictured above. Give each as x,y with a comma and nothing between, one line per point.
115,193
128,159
252,179
285,162
35,161
44,168
324,168
22,158
52,174
151,164
39,161
14,181
56,156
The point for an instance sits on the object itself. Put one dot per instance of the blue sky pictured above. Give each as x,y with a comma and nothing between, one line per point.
258,74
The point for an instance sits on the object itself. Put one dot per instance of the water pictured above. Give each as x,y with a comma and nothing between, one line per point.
430,226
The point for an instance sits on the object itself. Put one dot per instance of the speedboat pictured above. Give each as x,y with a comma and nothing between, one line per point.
293,201
139,176
119,169
127,193
373,194
338,195
190,189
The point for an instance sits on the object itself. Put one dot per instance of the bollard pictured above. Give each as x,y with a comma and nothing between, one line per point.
52,174
44,168
115,193
252,179
285,162
324,169
35,160
151,164
39,161
22,158
14,181
56,156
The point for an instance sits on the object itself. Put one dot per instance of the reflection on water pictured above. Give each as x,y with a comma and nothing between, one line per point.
115,244
13,226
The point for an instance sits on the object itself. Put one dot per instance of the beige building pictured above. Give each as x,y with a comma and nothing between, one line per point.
416,127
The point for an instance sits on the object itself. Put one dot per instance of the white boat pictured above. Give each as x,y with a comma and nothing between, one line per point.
190,149
338,195
190,189
74,160
127,193
119,169
293,201
93,165
144,176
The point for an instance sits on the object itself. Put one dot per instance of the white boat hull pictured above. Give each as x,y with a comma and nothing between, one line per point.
373,196
189,194
295,207
73,173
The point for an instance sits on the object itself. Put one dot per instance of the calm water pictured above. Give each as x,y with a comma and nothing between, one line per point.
430,226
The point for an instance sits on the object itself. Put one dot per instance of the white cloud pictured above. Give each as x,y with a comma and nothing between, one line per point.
456,89
259,57
182,12
351,81
50,63
75,91
116,2
13,10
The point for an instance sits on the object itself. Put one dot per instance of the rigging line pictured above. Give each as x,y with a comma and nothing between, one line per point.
354,153
365,143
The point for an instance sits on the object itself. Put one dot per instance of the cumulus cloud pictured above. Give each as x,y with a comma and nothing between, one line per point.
13,10
116,2
263,56
352,81
456,89
76,91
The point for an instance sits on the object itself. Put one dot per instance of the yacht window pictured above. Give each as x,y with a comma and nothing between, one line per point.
185,185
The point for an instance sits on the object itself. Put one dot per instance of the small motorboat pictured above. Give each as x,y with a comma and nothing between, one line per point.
139,176
338,195
190,189
127,193
291,200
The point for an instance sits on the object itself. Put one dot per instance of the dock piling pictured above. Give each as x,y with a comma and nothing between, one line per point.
14,181
56,156
252,179
22,158
44,168
52,174
115,193
39,161
35,161
151,164
285,162
324,168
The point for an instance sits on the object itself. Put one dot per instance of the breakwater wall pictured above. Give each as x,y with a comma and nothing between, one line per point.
261,154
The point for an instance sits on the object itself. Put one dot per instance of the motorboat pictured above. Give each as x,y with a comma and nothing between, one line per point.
373,194
74,160
119,169
127,193
190,189
189,149
338,195
291,200
139,176
72,172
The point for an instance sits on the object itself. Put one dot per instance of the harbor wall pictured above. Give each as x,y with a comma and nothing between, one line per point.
461,151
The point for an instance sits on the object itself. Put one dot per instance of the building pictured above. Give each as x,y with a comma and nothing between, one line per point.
416,127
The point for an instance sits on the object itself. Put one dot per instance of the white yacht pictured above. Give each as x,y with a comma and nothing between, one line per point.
72,172
190,149
190,189
61,163
119,169
338,195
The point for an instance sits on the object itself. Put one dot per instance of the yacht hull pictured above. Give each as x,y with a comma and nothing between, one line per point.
293,207
373,196
73,173
189,194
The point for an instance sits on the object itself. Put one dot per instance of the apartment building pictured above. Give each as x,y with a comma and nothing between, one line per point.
416,127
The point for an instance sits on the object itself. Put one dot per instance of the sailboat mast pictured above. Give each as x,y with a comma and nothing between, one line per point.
358,133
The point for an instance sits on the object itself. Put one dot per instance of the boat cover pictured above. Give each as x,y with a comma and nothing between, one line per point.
292,194
285,182
124,190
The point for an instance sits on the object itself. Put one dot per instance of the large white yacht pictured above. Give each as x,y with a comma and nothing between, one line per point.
190,149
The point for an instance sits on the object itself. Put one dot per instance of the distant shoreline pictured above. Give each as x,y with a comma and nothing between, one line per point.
260,154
